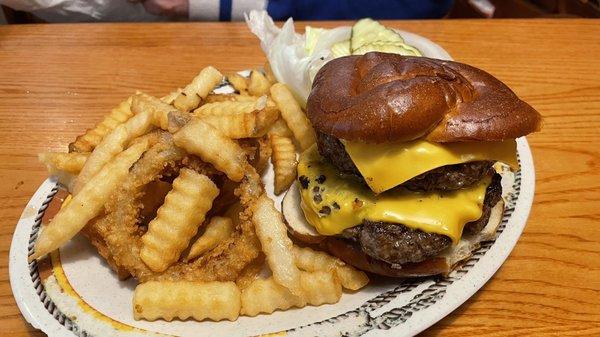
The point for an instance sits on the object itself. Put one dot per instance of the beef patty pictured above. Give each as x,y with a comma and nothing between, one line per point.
398,244
445,178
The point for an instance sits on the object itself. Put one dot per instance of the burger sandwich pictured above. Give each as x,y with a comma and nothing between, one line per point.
403,180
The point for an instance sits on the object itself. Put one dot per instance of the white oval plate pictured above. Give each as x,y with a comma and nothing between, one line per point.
81,296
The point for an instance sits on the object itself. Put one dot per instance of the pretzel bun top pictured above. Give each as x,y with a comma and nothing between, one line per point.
381,97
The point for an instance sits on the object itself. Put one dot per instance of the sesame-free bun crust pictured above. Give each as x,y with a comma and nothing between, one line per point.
381,97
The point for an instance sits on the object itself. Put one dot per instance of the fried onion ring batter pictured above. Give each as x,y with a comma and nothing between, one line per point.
118,234
119,227
226,261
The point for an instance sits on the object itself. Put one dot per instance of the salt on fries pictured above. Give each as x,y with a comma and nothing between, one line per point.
145,178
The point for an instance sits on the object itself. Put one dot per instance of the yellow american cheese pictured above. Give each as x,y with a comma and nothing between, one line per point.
332,203
385,166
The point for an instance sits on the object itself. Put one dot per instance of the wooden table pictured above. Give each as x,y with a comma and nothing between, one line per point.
57,80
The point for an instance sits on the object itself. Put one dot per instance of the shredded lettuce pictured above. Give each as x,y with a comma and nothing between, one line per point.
311,36
292,63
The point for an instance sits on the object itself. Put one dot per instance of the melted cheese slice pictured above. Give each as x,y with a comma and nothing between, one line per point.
332,203
388,165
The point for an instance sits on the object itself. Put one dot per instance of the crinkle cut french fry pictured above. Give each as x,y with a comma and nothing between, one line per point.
201,85
264,153
88,203
92,137
214,98
178,219
265,118
320,287
311,260
228,108
181,299
276,245
148,111
64,166
157,109
71,162
266,295
269,73
259,85
280,128
202,139
171,96
177,120
235,126
293,115
111,145
217,230
243,124
239,82
284,162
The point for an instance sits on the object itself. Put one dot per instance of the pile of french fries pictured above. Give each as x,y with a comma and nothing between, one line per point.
211,128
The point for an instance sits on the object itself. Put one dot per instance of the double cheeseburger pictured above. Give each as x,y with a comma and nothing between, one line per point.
403,178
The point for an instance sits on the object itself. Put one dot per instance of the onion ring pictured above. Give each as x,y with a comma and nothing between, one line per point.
119,227
120,232
226,261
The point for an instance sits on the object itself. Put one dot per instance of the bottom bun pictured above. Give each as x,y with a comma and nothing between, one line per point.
351,254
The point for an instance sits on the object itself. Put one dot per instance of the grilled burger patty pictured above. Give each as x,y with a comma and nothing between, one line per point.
397,244
446,178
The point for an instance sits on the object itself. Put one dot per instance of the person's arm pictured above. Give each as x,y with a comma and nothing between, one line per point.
172,8
204,10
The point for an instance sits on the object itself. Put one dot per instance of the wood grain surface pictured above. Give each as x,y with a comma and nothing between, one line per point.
57,80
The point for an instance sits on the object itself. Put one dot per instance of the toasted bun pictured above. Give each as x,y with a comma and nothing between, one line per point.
380,97
345,250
